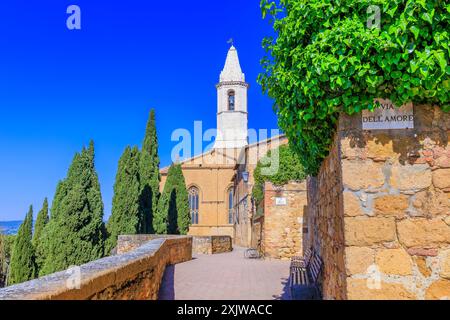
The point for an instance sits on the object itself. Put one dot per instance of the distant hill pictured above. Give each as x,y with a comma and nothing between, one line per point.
9,227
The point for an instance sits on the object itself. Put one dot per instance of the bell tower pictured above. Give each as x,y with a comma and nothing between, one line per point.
232,117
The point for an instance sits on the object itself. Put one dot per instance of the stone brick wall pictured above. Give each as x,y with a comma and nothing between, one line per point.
326,228
133,275
212,244
283,224
393,214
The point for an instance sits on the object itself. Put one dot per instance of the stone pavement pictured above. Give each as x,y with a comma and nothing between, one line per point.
226,276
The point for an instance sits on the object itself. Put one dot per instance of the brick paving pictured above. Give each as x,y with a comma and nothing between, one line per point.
226,276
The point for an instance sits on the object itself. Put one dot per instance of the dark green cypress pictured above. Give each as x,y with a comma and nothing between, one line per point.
3,259
182,202
23,266
6,248
125,216
173,208
41,222
149,175
75,233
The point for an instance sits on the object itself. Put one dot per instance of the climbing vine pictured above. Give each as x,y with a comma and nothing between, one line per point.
334,56
288,168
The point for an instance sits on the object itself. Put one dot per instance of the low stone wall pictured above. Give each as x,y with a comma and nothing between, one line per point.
380,210
212,244
283,221
133,275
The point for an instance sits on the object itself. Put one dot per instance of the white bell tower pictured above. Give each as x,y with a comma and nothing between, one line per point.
232,117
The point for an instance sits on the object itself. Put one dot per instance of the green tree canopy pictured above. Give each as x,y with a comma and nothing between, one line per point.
335,56
23,267
173,208
149,175
75,233
125,217
279,166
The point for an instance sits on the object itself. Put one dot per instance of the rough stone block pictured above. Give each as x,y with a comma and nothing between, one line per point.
352,205
394,261
410,177
431,203
423,252
381,147
365,231
395,205
445,264
358,259
427,233
358,174
358,289
439,290
441,178
421,263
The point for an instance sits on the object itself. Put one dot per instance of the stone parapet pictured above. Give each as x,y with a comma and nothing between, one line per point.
133,275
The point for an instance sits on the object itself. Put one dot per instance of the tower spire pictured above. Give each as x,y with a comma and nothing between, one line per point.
232,70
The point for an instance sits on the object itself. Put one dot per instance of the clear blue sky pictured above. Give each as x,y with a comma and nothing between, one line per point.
61,88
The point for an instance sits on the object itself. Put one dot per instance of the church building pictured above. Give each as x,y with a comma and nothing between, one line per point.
220,181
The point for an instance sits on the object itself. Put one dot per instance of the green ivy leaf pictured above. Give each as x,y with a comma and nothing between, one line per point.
415,31
396,74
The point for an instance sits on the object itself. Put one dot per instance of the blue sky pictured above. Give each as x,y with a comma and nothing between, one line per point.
59,88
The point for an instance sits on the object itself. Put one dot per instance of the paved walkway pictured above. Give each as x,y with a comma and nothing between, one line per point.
226,276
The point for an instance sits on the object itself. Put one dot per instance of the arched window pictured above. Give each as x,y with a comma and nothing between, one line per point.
231,100
230,206
193,204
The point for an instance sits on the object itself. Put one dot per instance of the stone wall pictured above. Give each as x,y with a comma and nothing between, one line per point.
283,223
134,275
326,228
257,232
212,244
391,222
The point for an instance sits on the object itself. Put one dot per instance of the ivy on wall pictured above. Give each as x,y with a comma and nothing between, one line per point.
282,166
338,56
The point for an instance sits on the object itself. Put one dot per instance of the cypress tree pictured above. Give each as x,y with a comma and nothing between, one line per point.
3,259
75,233
182,202
125,216
173,208
23,267
41,222
149,175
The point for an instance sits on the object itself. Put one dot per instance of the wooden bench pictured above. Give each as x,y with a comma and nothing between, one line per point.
305,275
297,261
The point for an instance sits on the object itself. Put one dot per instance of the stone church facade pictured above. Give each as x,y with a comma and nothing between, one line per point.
219,199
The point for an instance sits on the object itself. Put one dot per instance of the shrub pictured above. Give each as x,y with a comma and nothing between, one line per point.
289,169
